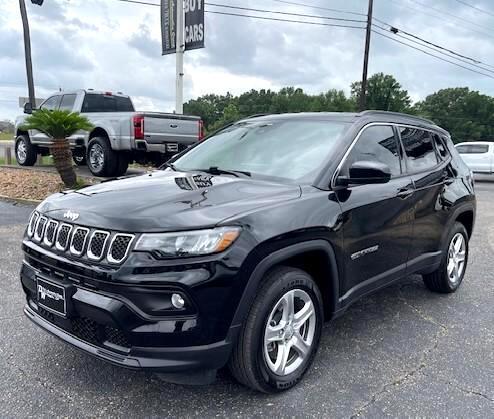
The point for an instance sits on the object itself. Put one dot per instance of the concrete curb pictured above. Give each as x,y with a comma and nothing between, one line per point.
20,200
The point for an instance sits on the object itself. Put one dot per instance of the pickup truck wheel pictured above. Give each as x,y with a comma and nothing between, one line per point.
101,159
448,277
281,333
79,158
25,153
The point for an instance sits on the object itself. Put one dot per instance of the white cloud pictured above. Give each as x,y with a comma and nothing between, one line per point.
112,45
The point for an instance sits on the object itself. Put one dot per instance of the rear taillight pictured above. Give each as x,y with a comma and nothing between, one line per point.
139,127
201,130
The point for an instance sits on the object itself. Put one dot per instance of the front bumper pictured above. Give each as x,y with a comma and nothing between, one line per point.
205,357
129,323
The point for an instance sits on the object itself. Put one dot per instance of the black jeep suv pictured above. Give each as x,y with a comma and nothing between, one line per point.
238,249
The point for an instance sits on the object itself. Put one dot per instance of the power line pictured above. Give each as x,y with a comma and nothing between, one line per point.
294,3
261,17
284,13
440,18
396,31
432,55
450,14
475,7
285,20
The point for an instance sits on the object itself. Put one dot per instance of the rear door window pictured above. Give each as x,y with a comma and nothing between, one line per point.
106,103
51,103
376,143
419,149
67,103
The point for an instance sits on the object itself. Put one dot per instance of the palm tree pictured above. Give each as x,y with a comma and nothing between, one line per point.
59,125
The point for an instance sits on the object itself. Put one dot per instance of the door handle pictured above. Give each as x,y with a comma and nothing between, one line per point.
404,193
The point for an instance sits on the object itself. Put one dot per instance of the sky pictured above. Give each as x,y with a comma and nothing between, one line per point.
114,45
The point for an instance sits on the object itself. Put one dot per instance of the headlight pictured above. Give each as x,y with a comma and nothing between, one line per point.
189,243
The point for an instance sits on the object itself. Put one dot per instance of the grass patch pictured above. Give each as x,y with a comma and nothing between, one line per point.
6,136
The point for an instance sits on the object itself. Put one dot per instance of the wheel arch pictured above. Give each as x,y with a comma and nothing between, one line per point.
316,257
20,131
98,132
464,214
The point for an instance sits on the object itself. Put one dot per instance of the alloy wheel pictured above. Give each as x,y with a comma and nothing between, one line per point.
96,157
456,258
21,151
289,332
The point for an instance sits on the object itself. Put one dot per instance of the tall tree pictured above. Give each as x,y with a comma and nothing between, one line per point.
383,93
467,115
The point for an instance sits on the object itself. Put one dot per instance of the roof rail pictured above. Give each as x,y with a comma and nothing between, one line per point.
256,115
374,112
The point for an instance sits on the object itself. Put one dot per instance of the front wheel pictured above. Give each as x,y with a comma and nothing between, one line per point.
281,334
448,277
25,153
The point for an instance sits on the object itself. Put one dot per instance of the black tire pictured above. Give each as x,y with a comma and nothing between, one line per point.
30,152
440,280
123,164
109,161
79,157
248,362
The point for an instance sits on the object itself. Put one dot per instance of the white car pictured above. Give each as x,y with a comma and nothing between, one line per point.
478,155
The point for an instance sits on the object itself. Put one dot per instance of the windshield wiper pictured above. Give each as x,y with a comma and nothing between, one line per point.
170,165
215,170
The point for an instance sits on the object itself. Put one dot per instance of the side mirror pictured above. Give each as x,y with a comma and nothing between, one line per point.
28,108
365,173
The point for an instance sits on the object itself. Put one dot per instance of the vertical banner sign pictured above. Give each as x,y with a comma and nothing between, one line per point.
168,26
194,24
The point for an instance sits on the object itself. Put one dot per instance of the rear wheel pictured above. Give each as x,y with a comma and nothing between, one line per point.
281,334
448,277
101,159
25,153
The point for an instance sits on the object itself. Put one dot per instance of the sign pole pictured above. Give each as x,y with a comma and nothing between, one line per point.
180,49
27,51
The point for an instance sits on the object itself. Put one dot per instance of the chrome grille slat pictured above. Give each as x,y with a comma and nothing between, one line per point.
39,231
32,223
78,241
119,247
97,244
63,236
50,233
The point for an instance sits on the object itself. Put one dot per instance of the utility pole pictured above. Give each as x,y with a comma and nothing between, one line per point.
27,50
180,50
363,91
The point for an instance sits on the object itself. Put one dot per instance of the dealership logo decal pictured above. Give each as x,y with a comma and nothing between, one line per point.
71,215
44,292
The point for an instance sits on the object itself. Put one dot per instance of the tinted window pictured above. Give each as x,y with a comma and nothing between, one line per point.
284,149
419,149
376,143
106,103
473,148
67,103
441,148
51,103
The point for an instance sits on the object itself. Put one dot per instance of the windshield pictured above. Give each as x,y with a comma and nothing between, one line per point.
293,150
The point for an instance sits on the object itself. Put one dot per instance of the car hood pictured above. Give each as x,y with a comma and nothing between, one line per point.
165,201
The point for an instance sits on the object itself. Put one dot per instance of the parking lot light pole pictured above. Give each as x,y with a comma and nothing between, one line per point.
180,50
363,87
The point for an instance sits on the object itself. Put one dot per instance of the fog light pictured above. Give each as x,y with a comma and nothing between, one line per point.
178,301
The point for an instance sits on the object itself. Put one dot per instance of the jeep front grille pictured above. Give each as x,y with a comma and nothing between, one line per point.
78,241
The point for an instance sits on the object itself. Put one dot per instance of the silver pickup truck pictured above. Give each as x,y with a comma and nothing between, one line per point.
120,134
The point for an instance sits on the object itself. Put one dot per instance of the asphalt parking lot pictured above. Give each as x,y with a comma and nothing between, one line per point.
402,352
